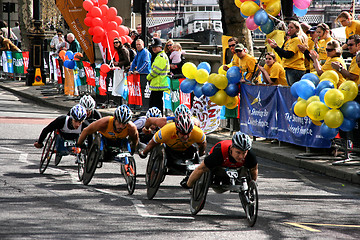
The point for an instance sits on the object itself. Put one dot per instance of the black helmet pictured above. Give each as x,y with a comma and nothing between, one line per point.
241,141
156,42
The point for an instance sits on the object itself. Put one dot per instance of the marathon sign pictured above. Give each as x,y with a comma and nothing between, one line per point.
265,111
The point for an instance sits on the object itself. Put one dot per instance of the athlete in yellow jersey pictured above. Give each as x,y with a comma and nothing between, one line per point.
114,128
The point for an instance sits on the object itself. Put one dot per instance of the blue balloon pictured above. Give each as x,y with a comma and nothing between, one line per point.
198,90
244,16
232,90
261,17
204,65
312,77
347,125
351,110
293,90
209,89
322,85
305,89
188,85
300,12
69,64
268,27
233,74
69,54
328,133
322,94
257,2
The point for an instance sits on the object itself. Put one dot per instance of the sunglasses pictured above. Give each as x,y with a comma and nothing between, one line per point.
116,42
232,45
351,44
169,45
238,51
330,49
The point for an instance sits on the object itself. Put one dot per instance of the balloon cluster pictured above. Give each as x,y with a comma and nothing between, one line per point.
69,58
300,7
221,87
327,106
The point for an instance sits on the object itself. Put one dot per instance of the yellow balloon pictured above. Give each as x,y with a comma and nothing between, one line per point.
221,81
238,3
273,8
201,76
220,98
189,70
349,89
265,1
249,8
232,102
317,123
312,99
330,75
334,98
316,110
300,108
212,78
221,70
334,118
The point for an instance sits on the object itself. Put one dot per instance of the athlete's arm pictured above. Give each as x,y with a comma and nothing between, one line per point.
134,136
202,147
58,123
196,174
159,122
99,125
254,172
149,147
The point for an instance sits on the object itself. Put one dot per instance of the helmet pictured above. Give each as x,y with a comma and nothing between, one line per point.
78,112
183,123
153,112
123,114
241,141
88,102
182,109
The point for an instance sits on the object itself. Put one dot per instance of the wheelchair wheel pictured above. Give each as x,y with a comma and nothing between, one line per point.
91,161
47,152
129,175
199,192
81,165
250,201
155,171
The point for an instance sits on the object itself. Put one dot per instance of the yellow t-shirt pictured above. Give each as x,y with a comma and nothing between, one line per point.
353,29
277,71
167,135
111,134
309,64
234,62
354,69
297,61
247,64
327,66
322,49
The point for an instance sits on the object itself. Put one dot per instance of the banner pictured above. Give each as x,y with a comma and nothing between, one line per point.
74,15
26,61
207,112
4,62
90,75
9,61
18,62
81,72
185,98
58,72
69,85
265,112
119,80
133,82
102,84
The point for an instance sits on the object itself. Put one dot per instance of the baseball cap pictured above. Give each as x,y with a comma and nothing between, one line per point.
156,42
239,47
313,29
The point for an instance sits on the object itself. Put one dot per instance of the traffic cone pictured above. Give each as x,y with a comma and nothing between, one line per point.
38,79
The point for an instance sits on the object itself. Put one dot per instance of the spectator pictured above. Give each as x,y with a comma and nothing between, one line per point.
273,72
134,36
279,36
352,74
7,45
132,52
142,60
122,56
158,75
16,31
235,59
55,40
169,47
247,63
293,58
5,31
74,44
352,26
324,36
358,58
176,59
334,52
62,44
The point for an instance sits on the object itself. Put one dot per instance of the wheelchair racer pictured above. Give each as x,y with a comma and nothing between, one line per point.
69,128
228,153
89,103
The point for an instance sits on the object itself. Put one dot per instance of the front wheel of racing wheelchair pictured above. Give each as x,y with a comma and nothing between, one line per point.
249,200
155,171
199,192
47,152
92,160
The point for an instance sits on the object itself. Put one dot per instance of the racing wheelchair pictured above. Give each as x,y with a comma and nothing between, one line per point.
227,179
100,152
161,163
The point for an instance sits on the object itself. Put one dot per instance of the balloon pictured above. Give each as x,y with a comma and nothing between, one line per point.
204,65
112,25
122,30
118,20
349,89
300,12
317,123
111,14
112,35
99,31
104,9
330,75
293,89
220,98
273,8
312,77
128,39
302,4
232,90
268,27
187,85
322,85
233,74
88,21
305,89
293,107
334,98
78,56
261,17
69,64
221,70
249,8
351,110
105,68
316,110
328,133
322,94
221,81
232,102
209,89
201,76
198,90
250,24
212,78
333,118
103,2
96,12
189,70
243,15
91,31
98,38
69,54
300,108
347,125
238,3
312,99
88,5
97,22
62,54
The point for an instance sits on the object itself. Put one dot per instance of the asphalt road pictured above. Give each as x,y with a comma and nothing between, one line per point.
294,203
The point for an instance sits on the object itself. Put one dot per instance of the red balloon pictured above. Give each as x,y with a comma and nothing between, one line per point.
88,14
119,20
91,31
104,9
105,68
111,26
123,39
88,5
112,35
128,39
97,39
95,2
111,14
96,12
97,22
99,31
88,21
104,42
103,2
122,30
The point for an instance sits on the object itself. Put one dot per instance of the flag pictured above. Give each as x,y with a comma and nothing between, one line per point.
58,72
89,72
26,61
134,87
102,84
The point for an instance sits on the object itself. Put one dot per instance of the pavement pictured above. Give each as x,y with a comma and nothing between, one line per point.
316,160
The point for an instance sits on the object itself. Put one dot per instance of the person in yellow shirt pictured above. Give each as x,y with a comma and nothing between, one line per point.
334,52
235,60
352,26
312,38
273,72
324,34
354,71
293,58
247,63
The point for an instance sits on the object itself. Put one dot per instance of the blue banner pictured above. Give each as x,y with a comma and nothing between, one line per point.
10,66
265,111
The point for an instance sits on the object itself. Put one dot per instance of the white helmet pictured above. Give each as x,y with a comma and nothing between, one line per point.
78,112
88,102
242,141
123,114
182,109
153,112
